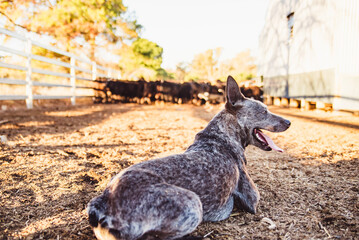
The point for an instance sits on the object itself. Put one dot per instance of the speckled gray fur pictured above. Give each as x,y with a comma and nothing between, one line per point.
167,198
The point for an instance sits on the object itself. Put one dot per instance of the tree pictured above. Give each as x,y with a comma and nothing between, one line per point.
141,54
241,67
18,12
148,53
181,71
165,75
76,23
204,64
91,21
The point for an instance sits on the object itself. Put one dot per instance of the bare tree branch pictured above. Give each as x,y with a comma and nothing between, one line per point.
10,20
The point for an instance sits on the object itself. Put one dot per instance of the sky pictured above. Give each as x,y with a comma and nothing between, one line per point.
184,28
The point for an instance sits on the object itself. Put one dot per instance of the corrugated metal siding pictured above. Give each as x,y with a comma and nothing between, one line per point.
273,53
313,86
348,37
310,86
347,55
275,86
323,61
312,46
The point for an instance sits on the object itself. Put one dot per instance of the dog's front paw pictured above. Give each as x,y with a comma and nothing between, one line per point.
246,201
190,238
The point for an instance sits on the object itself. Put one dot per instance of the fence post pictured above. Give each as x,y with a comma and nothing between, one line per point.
94,71
73,80
29,96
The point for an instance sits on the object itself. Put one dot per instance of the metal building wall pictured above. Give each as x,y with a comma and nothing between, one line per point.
320,62
347,55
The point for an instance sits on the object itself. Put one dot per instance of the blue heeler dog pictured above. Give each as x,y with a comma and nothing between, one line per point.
167,198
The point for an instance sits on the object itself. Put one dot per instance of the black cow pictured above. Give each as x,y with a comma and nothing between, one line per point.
253,92
141,91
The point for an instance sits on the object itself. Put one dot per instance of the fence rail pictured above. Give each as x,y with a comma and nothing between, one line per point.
74,77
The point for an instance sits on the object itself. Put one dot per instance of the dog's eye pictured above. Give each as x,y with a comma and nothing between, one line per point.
262,113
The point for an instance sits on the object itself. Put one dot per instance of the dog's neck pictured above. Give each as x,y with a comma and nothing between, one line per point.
224,135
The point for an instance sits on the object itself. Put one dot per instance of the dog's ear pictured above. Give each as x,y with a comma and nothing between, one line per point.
233,94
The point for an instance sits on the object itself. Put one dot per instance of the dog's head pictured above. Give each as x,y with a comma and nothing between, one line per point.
253,116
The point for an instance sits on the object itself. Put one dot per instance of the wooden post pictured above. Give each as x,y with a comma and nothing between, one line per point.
276,101
94,71
73,80
29,96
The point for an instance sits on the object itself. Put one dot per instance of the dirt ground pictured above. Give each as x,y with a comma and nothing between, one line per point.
57,158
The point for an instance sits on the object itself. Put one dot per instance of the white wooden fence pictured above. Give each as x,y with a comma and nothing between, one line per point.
75,75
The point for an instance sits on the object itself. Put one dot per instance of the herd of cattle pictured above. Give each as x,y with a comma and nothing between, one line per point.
141,91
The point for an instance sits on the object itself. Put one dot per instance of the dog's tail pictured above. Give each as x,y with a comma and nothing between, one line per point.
97,208
97,211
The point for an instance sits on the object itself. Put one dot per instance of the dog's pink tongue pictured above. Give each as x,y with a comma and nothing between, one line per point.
271,143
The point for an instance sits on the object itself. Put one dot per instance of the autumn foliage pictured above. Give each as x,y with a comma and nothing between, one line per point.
93,27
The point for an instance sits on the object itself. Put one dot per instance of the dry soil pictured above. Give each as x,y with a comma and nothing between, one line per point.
56,159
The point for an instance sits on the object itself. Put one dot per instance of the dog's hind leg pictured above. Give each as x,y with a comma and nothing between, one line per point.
220,214
158,212
139,205
173,212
